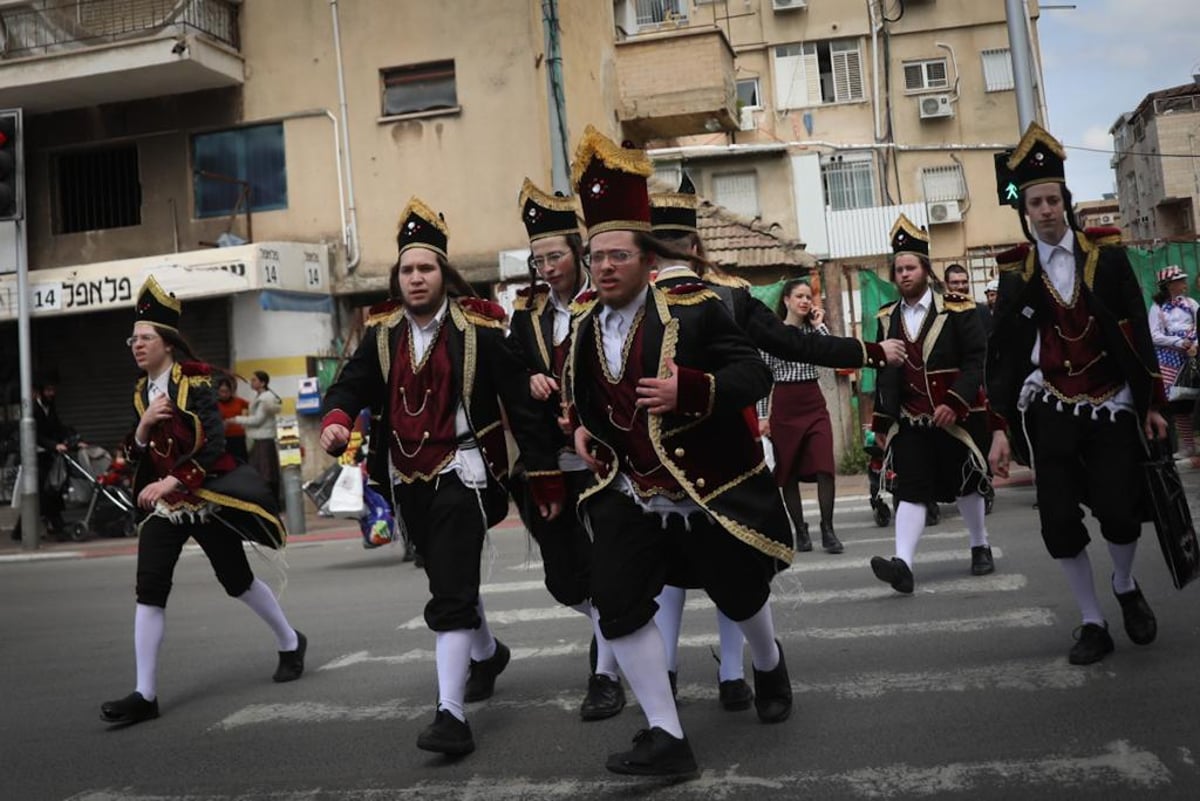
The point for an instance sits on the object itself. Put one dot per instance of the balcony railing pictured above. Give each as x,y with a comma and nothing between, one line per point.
47,26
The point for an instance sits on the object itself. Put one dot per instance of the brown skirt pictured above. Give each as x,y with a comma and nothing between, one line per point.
800,432
264,457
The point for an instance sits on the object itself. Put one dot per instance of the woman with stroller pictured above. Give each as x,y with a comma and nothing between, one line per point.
189,486
1173,329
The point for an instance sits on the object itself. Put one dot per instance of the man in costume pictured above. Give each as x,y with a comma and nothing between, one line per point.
434,368
540,332
931,412
1072,372
658,383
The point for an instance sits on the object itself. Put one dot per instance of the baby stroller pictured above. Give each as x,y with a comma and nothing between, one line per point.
98,485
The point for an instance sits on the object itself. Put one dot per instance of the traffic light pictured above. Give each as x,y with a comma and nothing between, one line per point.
1007,193
12,166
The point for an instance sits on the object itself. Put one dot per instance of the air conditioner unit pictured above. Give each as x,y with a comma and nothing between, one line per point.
933,107
944,211
746,121
788,5
1106,219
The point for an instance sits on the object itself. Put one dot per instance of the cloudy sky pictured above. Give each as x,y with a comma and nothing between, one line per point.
1099,60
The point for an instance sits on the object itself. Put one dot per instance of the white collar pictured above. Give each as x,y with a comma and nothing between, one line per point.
924,303
434,321
1046,249
676,271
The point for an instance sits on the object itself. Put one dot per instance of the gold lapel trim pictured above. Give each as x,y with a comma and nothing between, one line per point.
469,353
383,343
935,330
535,319
1093,258
138,402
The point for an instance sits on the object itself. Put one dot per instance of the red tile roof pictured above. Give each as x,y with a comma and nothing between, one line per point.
737,243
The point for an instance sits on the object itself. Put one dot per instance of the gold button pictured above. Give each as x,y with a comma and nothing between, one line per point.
700,483
151,443
1067,363
679,453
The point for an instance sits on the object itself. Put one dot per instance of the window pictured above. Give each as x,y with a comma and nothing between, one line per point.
997,70
225,159
944,182
747,92
652,12
814,73
849,181
668,174
921,75
738,192
96,189
419,87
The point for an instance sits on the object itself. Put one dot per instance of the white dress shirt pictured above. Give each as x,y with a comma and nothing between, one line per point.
914,314
159,385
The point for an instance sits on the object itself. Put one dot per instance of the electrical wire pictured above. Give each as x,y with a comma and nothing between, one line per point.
1134,153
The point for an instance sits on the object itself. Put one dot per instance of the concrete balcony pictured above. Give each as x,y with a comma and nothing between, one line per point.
62,54
676,83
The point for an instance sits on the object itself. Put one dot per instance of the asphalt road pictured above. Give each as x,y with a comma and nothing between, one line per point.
962,690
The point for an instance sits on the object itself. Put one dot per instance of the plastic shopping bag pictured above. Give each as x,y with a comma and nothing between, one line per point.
346,500
377,524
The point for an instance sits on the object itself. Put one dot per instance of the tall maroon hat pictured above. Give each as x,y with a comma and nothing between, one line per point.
611,183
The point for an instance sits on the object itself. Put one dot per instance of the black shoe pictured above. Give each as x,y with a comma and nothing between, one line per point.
933,514
605,698
829,540
481,681
291,663
803,542
447,735
893,571
773,692
981,560
673,677
1092,644
655,753
1140,623
735,695
131,709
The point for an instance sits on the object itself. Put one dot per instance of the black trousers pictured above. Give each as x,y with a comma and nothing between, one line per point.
932,465
445,521
633,554
160,543
564,542
1083,461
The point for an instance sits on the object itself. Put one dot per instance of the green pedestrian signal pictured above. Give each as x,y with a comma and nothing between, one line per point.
1010,193
1007,191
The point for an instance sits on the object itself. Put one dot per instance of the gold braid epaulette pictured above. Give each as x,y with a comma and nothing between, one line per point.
690,295
958,303
885,310
725,279
481,320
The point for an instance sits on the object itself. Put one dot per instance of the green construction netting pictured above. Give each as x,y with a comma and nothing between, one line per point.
1147,263
768,293
873,292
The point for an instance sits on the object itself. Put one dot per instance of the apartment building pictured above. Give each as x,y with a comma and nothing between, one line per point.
1157,165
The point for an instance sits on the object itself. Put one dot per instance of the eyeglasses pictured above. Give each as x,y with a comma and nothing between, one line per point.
552,258
145,339
617,258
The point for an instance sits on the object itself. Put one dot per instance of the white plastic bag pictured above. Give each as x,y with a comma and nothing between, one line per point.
768,453
346,500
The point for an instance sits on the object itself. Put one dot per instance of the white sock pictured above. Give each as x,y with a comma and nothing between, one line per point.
149,626
606,659
644,663
972,509
1122,558
1079,577
264,603
483,642
759,630
731,649
910,525
453,661
669,619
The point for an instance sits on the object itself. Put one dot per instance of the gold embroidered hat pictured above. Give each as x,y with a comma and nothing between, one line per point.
422,227
1038,159
907,237
546,215
675,211
157,306
611,183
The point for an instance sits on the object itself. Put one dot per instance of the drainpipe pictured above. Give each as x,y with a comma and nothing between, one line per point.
557,99
354,255
875,26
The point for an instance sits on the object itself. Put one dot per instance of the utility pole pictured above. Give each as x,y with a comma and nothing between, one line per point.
556,100
1022,62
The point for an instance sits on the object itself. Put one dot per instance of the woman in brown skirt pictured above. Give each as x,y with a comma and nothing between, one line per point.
798,424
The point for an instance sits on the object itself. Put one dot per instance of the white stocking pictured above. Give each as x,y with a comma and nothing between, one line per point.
149,626
453,661
264,603
973,509
669,619
644,663
1079,577
910,525
731,649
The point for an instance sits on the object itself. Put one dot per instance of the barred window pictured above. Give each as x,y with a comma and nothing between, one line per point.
943,182
849,182
997,70
652,12
96,189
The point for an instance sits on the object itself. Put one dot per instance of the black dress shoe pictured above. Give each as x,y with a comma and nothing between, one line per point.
735,695
981,560
1140,623
773,692
447,735
605,698
481,680
131,709
829,540
893,571
655,753
933,514
803,541
291,663
1093,643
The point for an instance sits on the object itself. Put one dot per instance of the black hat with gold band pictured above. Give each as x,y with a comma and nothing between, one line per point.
422,227
907,237
1038,159
157,306
611,183
546,215
675,211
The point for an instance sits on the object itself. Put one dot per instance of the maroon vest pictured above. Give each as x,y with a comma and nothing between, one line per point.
1076,367
618,402
423,407
914,391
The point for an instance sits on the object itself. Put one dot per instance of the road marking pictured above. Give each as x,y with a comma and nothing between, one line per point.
42,556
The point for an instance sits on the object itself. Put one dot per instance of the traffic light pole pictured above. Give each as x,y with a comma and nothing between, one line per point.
31,516
1022,63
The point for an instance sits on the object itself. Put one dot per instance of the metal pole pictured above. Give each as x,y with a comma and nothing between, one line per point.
356,256
556,98
1022,62
31,515
293,500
